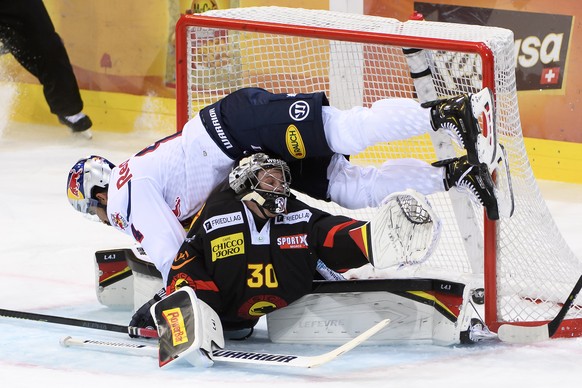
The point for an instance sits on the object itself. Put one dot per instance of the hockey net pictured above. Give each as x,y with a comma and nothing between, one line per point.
526,267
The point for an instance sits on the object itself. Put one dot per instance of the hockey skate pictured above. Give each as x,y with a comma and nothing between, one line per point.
459,118
476,332
476,180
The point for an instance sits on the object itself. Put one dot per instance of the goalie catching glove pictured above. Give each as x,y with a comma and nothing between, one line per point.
405,231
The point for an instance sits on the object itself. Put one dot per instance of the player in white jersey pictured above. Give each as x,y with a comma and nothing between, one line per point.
153,195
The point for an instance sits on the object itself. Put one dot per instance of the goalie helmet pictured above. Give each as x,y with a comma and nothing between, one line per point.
86,175
263,180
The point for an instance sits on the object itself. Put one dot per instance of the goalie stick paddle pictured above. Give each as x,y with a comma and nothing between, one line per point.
147,333
232,356
528,334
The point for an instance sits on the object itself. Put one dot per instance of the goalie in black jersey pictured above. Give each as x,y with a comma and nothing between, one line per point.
255,248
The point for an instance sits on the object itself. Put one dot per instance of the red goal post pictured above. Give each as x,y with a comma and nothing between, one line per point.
524,264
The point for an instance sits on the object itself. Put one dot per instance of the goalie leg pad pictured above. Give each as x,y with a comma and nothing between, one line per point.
124,278
144,286
113,279
188,328
421,310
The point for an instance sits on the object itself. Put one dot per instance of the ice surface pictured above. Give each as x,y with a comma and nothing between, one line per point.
46,252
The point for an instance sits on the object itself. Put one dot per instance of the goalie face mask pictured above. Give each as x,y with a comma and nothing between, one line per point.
86,175
263,180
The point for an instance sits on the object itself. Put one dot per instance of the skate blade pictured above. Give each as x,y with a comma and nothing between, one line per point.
503,187
83,135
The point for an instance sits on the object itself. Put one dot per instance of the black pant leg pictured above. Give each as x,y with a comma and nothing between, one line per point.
29,34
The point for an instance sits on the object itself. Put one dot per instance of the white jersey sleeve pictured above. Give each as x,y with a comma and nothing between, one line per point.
166,183
139,210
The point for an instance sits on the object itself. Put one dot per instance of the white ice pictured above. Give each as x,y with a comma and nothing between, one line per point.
46,256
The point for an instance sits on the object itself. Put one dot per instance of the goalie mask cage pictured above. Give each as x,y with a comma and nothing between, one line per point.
524,263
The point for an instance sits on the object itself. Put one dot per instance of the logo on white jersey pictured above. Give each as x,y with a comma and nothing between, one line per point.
222,221
299,110
294,218
118,221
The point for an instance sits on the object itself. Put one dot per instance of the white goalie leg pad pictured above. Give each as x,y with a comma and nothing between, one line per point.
211,335
443,317
405,230
147,281
334,318
188,328
144,287
114,282
447,333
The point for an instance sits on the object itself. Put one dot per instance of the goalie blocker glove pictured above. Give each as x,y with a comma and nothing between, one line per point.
142,317
188,328
477,180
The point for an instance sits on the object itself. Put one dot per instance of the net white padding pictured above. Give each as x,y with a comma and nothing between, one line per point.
535,267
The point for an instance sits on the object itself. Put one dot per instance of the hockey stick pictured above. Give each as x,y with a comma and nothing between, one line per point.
148,333
528,334
233,356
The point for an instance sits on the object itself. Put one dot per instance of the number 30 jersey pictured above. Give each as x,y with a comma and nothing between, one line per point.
244,267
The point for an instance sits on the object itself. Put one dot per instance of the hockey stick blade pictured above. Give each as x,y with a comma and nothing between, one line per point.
528,334
148,333
232,356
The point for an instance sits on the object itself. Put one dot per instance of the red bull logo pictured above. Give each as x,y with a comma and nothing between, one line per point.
75,190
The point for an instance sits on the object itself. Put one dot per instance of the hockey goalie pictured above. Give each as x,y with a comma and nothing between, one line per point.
280,241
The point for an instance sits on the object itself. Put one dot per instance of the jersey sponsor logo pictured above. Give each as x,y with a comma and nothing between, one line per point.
294,217
175,320
260,305
299,110
118,221
223,247
298,241
223,220
124,174
294,142
218,128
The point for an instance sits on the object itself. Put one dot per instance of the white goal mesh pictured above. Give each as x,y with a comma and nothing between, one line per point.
358,59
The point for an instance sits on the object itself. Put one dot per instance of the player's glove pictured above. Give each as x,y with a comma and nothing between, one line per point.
142,317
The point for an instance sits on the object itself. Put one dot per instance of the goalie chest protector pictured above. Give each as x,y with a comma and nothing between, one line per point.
249,120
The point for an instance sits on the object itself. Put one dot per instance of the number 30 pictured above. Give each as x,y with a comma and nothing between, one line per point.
262,275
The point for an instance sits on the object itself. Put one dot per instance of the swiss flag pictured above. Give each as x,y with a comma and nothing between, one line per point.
550,76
